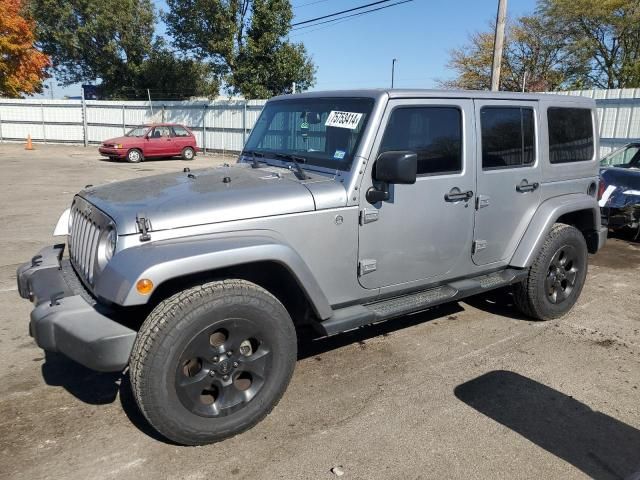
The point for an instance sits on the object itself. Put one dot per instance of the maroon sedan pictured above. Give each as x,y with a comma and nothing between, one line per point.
160,140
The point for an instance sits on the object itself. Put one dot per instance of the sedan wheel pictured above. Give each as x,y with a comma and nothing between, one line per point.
188,153
134,156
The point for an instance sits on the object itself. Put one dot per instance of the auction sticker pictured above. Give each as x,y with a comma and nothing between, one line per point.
338,119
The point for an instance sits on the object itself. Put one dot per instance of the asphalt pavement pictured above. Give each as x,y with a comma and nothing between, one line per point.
467,390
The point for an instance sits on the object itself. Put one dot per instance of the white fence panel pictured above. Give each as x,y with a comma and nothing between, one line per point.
223,125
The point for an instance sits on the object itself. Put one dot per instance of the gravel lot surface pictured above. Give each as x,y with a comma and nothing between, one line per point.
468,390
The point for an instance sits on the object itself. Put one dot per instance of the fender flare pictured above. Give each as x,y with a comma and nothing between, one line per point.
546,215
166,260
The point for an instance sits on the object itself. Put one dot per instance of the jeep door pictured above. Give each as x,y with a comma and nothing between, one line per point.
508,177
423,233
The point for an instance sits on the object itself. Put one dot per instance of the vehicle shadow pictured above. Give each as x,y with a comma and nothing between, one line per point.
310,345
597,444
631,235
88,386
96,388
497,302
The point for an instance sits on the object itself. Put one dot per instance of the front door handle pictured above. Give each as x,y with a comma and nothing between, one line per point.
455,195
524,186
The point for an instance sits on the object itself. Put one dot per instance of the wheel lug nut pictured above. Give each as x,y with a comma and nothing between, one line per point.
215,359
235,364
212,373
229,353
226,377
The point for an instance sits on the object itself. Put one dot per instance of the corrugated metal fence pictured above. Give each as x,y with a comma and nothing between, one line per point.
220,125
223,125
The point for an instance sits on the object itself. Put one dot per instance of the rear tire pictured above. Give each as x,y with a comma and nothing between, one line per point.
134,156
188,153
556,277
212,361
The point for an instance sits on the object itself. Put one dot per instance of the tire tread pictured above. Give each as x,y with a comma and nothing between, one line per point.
156,326
527,296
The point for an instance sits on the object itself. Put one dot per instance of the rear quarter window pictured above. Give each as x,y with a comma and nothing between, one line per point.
570,134
180,131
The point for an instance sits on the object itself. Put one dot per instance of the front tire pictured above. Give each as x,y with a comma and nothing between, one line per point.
212,361
556,277
134,156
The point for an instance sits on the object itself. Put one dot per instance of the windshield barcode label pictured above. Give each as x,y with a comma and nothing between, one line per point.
348,120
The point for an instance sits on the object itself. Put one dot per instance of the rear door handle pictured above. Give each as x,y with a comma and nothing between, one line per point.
455,195
524,186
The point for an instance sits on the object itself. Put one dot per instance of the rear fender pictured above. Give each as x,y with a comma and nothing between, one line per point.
547,214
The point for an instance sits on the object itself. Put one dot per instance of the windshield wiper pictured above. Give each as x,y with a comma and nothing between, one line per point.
254,157
296,162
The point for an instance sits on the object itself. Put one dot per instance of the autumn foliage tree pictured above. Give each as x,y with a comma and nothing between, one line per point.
22,66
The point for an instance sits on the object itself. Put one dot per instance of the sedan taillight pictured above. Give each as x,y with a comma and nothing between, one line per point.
602,186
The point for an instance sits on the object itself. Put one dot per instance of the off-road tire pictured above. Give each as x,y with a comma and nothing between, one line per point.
531,296
188,153
134,156
165,336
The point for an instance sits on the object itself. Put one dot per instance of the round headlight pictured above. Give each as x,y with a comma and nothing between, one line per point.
107,247
110,244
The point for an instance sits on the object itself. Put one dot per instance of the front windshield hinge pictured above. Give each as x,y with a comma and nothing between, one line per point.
144,225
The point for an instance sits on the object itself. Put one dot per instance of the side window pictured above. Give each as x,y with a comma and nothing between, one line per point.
570,134
179,131
160,132
508,137
434,133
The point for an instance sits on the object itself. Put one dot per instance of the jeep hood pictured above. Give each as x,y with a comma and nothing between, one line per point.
212,195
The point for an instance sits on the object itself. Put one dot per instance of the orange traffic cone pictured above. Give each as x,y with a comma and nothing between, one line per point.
29,145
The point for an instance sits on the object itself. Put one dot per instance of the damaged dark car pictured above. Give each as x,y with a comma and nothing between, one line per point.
619,190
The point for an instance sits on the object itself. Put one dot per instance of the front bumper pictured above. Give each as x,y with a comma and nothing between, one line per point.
111,152
67,320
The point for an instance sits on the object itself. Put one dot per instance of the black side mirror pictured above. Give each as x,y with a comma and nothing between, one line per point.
399,167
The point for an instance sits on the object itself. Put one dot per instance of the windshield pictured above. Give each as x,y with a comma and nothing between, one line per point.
628,156
137,132
318,131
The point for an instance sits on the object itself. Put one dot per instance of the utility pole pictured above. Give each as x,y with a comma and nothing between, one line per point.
393,70
150,106
498,44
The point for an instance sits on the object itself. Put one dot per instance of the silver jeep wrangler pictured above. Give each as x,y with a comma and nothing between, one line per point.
344,209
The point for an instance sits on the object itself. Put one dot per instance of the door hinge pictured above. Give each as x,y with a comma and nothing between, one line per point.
482,201
144,225
367,265
478,245
368,215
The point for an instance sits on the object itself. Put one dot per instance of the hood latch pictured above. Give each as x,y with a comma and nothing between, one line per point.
144,225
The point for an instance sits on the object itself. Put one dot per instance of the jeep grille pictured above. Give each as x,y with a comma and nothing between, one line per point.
87,222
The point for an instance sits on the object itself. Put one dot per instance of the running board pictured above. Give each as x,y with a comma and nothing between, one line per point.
348,318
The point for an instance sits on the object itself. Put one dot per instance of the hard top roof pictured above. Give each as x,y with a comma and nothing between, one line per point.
426,93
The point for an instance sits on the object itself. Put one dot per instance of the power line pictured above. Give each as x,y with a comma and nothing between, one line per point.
309,3
306,32
352,15
339,13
